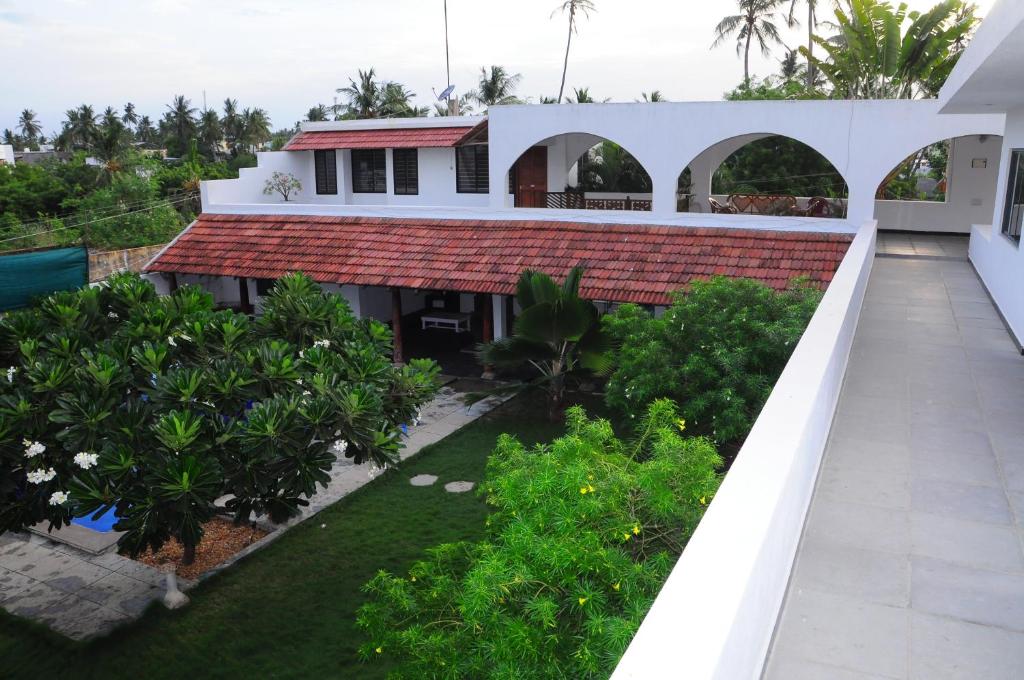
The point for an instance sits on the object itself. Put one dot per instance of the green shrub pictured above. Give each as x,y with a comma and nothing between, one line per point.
717,352
126,214
157,406
582,536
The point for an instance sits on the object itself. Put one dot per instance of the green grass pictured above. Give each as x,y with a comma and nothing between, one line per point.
289,611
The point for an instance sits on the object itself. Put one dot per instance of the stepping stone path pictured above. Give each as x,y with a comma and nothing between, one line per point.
423,480
458,487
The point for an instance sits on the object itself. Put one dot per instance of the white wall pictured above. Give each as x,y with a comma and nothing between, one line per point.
970,192
6,154
998,259
436,182
716,613
862,139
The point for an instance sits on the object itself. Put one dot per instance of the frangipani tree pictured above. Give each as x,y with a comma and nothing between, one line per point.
558,333
158,406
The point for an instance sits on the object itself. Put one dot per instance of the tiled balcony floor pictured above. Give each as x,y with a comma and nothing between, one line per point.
911,562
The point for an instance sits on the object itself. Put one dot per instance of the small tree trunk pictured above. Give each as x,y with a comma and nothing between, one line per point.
746,62
556,397
565,64
810,44
189,554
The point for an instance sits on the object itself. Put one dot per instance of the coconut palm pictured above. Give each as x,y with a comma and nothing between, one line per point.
130,117
581,95
812,24
572,8
653,96
874,57
231,123
756,21
364,96
144,131
317,113
210,133
110,140
255,128
79,128
180,123
497,87
28,124
558,333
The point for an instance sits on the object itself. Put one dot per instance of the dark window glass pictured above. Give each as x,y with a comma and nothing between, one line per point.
326,168
471,174
264,286
369,174
406,171
1013,213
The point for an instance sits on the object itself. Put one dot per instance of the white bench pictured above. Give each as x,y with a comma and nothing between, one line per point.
454,321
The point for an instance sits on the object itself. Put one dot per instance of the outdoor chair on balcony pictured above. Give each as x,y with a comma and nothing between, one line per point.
717,207
764,204
818,206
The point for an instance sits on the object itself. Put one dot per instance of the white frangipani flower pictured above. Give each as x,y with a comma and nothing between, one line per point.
40,476
171,342
33,449
86,460
59,498
322,343
112,315
11,370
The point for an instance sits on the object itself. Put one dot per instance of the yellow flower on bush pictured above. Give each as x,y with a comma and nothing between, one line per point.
616,586
636,529
380,650
583,489
582,601
681,424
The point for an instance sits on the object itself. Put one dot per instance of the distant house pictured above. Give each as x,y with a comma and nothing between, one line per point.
6,154
46,152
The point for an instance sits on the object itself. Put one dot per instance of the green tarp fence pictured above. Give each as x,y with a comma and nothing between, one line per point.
23,276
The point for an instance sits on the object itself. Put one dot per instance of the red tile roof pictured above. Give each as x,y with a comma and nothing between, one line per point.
624,263
392,138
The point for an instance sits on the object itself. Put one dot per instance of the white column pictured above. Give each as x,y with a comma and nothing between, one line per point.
664,195
701,171
500,318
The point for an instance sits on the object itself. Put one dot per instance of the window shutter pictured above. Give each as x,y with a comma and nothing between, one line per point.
406,171
369,173
471,169
325,165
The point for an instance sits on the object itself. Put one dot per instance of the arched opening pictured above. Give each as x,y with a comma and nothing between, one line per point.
579,171
762,174
945,186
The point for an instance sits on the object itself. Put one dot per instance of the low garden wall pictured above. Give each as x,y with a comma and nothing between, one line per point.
716,613
103,263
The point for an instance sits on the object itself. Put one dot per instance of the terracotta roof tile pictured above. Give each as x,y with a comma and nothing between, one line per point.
397,138
624,263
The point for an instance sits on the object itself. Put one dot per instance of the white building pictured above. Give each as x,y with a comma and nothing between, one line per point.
437,217
6,154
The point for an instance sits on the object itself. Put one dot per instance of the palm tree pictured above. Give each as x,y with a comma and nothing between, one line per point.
558,333
584,7
110,140
754,22
10,138
231,123
790,67
79,128
653,96
144,131
255,128
180,121
130,117
497,87
543,99
28,124
395,102
581,95
364,96
317,113
812,23
873,57
210,133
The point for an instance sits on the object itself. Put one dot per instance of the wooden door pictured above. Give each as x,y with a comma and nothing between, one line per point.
531,178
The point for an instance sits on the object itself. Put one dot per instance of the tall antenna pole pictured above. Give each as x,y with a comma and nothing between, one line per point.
452,105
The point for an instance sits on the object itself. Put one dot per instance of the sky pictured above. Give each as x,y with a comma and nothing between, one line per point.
288,56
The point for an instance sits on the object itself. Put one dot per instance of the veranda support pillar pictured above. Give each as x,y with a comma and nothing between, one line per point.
488,330
243,295
500,329
396,325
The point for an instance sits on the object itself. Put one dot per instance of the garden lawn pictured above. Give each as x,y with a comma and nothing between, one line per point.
288,611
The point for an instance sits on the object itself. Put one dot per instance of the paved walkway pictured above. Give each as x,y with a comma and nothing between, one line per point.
911,563
83,595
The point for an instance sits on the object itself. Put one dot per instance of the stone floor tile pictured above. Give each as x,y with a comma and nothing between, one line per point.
840,631
864,487
864,575
980,596
987,546
947,649
801,669
32,599
954,465
864,526
81,619
959,501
